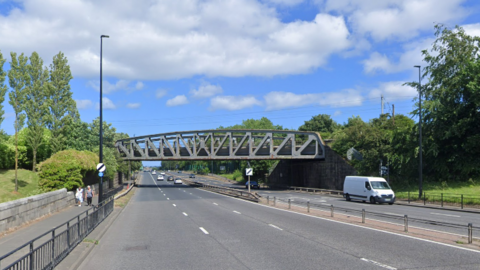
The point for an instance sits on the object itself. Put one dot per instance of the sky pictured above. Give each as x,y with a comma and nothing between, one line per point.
200,64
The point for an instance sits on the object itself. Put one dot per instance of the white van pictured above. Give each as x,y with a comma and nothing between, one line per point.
372,189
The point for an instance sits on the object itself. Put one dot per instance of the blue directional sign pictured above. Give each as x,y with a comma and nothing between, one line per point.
100,174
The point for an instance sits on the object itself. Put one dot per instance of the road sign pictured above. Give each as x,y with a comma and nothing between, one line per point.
249,171
101,167
100,174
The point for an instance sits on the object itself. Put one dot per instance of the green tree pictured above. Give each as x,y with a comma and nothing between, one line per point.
79,136
3,87
36,104
321,123
451,116
18,79
62,107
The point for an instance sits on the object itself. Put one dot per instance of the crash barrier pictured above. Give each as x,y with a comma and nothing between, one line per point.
442,199
49,249
225,190
445,199
468,228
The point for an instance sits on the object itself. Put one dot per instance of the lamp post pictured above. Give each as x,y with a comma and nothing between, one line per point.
420,167
100,193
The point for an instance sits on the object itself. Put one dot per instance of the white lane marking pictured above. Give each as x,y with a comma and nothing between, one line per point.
185,214
393,214
348,224
236,212
444,215
164,195
379,264
273,226
215,203
168,199
174,205
190,193
203,230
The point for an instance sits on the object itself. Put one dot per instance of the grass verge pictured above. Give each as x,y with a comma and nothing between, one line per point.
27,182
122,201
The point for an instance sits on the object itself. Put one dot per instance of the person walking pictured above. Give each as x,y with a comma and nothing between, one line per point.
79,196
90,195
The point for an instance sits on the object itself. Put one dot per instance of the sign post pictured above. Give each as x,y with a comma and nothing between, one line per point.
249,172
100,168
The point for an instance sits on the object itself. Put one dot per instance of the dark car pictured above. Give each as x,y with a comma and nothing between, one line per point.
253,184
179,171
191,176
170,178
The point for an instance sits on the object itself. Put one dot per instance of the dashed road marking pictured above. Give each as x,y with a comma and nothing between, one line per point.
215,203
168,199
203,230
444,215
276,227
185,214
379,264
174,205
236,212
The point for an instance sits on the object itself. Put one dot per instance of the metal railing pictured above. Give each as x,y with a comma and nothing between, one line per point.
445,199
469,228
316,190
225,190
49,249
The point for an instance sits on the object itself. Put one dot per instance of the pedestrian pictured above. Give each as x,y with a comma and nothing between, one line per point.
90,195
79,196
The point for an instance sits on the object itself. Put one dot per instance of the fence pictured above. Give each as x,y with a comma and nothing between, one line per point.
50,248
468,228
445,199
225,190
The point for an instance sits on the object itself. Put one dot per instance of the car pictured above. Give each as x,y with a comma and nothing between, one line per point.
253,184
178,181
170,178
191,176
154,172
162,173
160,178
179,171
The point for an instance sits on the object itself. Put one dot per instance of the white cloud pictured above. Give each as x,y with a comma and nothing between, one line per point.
233,103
139,86
472,29
173,39
206,91
133,105
83,103
393,91
160,93
177,101
107,104
285,2
412,55
398,19
344,98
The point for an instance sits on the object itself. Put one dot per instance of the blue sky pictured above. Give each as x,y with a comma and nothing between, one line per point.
198,64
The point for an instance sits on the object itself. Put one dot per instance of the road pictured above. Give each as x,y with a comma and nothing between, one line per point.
168,226
397,212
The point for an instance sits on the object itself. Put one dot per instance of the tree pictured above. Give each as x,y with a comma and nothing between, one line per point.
62,107
3,87
36,104
17,78
451,115
321,123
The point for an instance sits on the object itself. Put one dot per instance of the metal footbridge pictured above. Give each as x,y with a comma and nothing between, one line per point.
223,145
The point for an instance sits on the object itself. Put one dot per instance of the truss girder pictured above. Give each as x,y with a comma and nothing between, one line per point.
223,145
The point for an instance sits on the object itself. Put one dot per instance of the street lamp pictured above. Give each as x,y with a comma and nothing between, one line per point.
100,193
420,167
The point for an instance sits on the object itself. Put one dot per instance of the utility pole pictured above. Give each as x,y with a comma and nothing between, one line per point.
393,113
382,102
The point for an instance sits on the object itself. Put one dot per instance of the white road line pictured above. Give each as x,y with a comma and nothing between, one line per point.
215,203
168,199
273,226
190,193
164,195
379,264
444,215
203,230
393,214
185,214
174,205
237,212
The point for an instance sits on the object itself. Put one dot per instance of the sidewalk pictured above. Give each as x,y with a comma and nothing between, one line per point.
12,240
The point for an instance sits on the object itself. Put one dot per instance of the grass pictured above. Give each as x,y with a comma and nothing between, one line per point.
452,192
121,202
230,176
87,240
27,185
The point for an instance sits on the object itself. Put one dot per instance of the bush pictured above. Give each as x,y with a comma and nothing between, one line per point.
66,169
237,175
